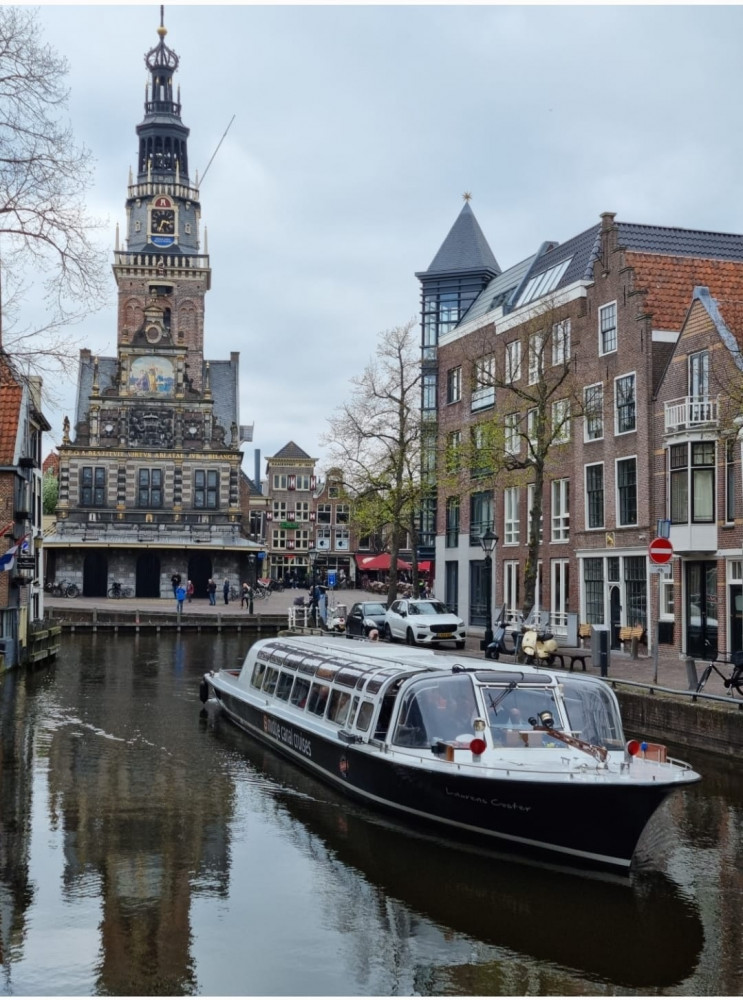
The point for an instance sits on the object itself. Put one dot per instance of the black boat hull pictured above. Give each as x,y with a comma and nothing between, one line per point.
592,821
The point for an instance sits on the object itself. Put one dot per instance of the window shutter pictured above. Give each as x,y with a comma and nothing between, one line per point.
292,483
313,482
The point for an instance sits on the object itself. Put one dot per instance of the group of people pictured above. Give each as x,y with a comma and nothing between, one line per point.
181,593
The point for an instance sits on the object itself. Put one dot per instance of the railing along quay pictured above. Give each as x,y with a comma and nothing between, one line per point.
137,620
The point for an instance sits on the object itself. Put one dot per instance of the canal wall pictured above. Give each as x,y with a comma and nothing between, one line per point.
72,619
714,727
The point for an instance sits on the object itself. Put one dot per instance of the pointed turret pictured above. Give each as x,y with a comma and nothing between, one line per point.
163,151
465,249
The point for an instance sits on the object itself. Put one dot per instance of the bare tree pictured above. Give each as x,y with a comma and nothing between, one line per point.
530,397
375,440
44,228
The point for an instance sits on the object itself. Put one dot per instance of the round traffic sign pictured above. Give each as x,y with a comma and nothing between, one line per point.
660,550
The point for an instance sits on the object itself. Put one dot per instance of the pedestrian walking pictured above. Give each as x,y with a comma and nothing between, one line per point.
245,598
189,591
180,595
226,591
211,589
176,582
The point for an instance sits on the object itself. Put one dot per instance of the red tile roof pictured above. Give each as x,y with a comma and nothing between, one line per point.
670,281
11,394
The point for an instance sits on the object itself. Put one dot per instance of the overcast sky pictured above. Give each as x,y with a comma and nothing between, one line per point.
357,130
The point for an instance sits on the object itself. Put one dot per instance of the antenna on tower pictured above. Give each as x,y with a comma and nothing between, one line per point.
217,149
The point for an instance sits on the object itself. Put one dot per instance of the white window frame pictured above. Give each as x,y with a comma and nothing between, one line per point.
511,519
342,539
279,510
536,358
586,504
602,310
561,342
513,361
561,421
302,511
559,592
618,506
617,380
511,594
278,538
303,483
279,481
560,510
302,538
483,392
512,434
531,419
586,408
454,385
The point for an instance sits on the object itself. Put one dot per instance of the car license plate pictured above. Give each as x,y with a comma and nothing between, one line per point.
445,635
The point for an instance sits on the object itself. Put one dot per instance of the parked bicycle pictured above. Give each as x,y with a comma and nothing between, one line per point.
735,680
119,590
62,588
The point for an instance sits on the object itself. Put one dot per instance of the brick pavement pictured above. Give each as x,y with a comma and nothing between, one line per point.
672,671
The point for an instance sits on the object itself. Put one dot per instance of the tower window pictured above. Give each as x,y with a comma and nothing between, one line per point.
206,489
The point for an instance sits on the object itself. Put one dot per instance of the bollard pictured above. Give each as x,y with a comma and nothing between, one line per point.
691,674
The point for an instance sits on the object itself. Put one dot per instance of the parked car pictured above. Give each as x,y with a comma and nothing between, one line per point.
364,616
423,621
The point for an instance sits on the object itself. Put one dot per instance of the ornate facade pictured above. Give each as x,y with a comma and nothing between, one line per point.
150,473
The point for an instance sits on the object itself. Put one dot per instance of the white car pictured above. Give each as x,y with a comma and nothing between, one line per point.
422,621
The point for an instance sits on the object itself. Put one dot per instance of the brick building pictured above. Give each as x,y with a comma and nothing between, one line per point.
21,593
149,476
598,317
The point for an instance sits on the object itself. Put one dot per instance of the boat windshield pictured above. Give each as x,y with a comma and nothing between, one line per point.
436,708
593,713
512,710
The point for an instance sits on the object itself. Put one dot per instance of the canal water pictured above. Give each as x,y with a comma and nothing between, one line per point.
148,847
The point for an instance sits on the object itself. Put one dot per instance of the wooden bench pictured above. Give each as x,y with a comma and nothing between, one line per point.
573,656
633,634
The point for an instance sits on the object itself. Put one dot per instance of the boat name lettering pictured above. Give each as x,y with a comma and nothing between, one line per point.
491,802
285,734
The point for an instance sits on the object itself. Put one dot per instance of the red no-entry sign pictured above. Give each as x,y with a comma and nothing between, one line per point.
660,550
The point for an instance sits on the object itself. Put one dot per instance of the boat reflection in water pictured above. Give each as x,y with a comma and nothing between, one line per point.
634,931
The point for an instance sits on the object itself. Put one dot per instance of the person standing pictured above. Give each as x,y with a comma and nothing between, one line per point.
176,582
211,589
189,591
245,598
180,594
226,590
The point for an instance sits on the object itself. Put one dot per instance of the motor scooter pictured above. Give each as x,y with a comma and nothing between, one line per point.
498,644
538,645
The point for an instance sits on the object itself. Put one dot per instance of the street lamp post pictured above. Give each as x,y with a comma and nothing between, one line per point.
488,542
312,556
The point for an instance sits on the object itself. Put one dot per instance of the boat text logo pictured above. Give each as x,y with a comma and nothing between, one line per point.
288,735
517,806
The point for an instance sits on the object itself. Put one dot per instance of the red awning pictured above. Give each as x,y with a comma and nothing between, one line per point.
380,562
424,567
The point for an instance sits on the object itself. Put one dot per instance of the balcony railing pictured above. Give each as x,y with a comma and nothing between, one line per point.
691,411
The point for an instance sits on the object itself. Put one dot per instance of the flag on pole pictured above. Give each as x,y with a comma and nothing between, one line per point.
7,560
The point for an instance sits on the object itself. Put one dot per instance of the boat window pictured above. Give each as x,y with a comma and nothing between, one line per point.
258,671
365,714
593,714
293,660
352,713
436,708
327,671
299,692
309,665
318,699
340,702
278,656
269,681
283,688
514,709
348,677
379,678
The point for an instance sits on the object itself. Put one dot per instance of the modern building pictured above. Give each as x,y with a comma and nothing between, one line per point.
588,330
149,477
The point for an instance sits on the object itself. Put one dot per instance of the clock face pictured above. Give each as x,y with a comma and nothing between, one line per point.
163,221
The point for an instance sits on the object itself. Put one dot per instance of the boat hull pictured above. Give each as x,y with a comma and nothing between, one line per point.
593,819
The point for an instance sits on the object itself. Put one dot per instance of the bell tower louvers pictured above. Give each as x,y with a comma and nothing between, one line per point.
150,475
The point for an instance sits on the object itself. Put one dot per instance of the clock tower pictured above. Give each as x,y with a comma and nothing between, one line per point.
150,470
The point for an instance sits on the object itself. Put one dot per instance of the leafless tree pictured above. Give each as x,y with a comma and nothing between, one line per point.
375,440
44,174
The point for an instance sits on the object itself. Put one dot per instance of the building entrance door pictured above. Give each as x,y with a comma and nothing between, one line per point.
615,615
701,610
148,575
95,574
736,617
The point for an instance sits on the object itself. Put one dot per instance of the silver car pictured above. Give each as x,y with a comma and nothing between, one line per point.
422,621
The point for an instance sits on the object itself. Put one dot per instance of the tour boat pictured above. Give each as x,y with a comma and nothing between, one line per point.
527,758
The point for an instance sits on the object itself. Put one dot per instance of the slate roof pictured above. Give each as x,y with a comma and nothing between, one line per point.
253,490
668,261
292,450
464,249
222,376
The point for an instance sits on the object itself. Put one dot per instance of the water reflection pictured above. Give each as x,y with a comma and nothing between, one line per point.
147,849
